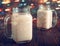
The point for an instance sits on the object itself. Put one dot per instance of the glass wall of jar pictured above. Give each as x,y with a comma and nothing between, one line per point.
46,17
21,23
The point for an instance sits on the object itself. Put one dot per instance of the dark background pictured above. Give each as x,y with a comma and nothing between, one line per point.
49,37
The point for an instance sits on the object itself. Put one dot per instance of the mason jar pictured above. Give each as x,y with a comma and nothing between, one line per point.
46,17
21,24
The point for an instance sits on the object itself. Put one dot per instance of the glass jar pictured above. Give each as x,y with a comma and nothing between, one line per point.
46,17
21,24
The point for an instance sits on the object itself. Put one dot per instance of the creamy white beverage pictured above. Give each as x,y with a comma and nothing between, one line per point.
44,19
21,27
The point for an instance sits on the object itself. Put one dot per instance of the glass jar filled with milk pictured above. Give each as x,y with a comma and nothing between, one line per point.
46,17
21,24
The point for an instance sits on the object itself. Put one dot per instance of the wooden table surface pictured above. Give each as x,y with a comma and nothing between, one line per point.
40,38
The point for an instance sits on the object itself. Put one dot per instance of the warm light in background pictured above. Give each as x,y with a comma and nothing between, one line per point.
8,9
57,8
58,1
54,0
58,4
6,1
40,1
45,0
16,0
0,10
32,5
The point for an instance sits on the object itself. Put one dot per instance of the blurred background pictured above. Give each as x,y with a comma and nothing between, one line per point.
49,37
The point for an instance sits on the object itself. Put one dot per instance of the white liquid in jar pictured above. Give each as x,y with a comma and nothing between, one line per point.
21,27
44,19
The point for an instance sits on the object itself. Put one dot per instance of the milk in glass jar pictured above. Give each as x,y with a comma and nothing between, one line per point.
21,24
